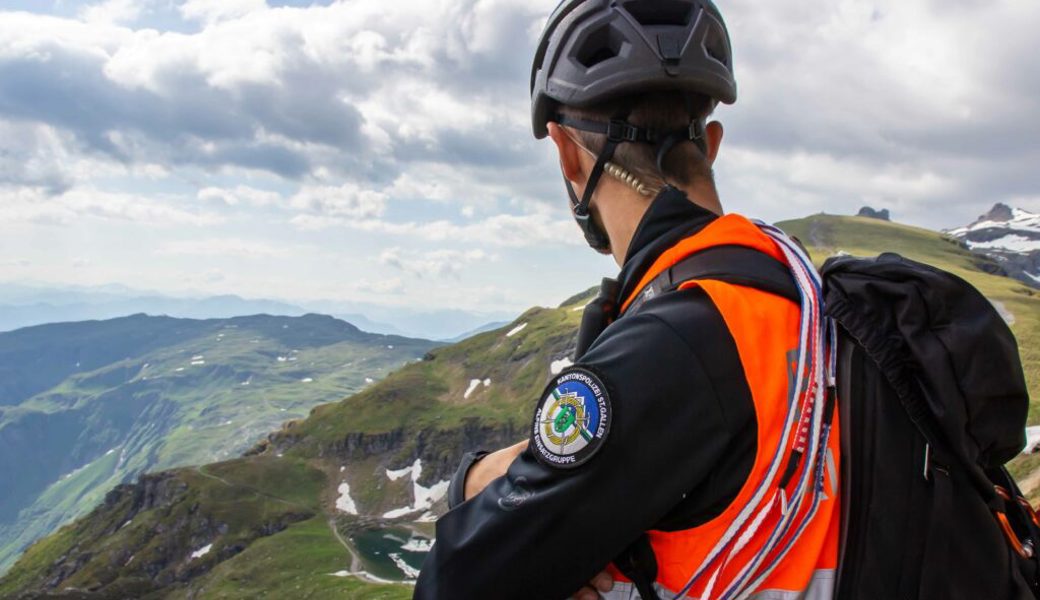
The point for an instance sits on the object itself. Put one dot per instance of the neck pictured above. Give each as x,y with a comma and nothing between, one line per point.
621,209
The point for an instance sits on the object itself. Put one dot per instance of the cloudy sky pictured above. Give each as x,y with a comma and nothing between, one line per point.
380,150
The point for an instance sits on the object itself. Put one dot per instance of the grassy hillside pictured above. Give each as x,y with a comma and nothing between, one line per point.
274,521
384,454
826,236
86,406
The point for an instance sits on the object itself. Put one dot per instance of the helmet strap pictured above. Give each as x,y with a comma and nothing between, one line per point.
618,131
694,133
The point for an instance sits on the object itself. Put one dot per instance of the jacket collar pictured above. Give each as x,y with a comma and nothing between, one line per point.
670,218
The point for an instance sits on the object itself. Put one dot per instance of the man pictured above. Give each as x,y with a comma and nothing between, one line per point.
686,454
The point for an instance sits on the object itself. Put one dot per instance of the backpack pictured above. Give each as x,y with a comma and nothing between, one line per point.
932,403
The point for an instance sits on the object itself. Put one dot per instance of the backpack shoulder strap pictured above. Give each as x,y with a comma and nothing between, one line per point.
738,265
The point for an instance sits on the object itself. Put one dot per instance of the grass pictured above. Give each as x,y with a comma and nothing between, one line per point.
827,235
161,411
296,563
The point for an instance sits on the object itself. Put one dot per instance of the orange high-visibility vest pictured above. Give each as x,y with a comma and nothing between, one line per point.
765,328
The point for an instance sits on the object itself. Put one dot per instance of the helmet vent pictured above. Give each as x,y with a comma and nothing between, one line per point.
715,47
650,13
599,46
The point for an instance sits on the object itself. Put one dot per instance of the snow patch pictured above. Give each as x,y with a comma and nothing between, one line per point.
307,380
418,545
203,551
560,365
423,497
395,475
427,517
409,571
196,363
1012,242
199,357
341,574
345,503
517,329
399,512
179,369
369,380
1032,440
283,358
473,385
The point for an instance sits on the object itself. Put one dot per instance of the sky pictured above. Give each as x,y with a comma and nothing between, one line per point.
380,151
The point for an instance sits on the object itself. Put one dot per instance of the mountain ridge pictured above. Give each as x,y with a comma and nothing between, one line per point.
1010,237
372,466
89,404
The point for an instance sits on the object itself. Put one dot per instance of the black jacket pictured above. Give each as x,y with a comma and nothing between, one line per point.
681,443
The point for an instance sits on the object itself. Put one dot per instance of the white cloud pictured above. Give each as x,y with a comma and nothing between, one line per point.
221,247
24,205
506,230
348,200
390,286
239,195
213,11
112,12
435,263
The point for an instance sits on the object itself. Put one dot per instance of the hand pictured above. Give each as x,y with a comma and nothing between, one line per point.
600,583
490,468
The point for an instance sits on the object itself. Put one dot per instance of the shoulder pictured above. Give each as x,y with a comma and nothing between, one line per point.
687,319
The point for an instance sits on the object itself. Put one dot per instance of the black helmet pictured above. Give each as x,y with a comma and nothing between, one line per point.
596,50
593,51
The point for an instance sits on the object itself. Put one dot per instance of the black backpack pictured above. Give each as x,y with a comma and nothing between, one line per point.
933,403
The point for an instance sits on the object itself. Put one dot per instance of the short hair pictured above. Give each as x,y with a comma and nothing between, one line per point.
663,111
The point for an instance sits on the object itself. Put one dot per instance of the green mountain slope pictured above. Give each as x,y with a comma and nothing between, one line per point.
276,522
86,406
826,236
329,504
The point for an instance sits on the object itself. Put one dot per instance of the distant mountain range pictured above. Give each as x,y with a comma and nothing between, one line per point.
1009,236
25,305
336,504
329,506
85,406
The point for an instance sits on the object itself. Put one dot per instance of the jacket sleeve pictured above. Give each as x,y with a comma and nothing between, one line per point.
543,531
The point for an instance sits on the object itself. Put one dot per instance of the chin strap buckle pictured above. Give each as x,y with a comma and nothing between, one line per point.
621,131
696,130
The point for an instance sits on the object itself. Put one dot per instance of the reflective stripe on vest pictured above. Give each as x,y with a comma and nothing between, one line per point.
766,330
821,587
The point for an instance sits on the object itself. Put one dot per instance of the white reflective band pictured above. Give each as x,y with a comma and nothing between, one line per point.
821,587
627,591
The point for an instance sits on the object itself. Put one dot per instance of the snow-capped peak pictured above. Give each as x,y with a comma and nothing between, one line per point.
1003,228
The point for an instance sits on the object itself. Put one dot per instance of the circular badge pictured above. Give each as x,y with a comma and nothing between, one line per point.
573,419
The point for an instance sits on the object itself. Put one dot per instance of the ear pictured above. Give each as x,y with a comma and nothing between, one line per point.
713,133
570,154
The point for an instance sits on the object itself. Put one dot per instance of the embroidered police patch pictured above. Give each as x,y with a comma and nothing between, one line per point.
573,420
